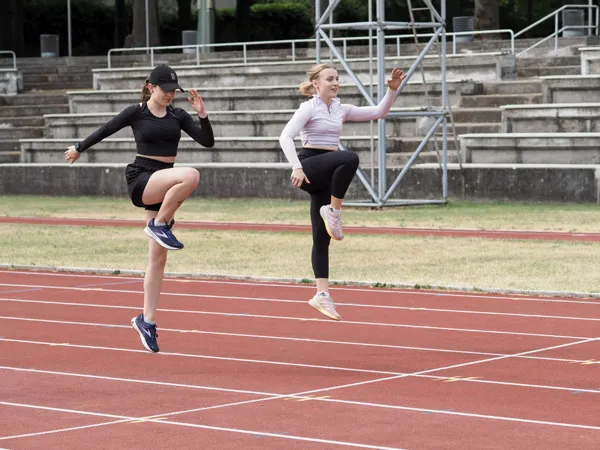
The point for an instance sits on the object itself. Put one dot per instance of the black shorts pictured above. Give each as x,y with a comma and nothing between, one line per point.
137,175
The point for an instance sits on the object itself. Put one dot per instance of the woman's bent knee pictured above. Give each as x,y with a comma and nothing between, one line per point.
191,177
351,158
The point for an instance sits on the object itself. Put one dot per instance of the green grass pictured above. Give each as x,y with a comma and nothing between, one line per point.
480,263
456,214
382,260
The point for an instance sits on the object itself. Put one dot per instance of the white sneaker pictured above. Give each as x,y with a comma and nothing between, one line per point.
323,303
333,222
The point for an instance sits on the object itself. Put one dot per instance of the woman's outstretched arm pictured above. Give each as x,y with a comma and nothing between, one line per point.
363,113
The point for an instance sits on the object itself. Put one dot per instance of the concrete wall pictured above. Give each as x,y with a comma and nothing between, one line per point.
11,82
524,183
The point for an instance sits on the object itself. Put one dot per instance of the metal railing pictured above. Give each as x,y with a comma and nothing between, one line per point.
294,43
14,57
557,31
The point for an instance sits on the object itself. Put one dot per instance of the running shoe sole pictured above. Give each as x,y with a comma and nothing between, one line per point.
315,304
151,235
135,327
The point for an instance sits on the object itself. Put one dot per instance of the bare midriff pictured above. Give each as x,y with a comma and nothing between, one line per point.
321,147
165,159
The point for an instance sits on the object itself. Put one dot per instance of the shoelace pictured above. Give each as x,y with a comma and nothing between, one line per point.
326,302
153,331
337,221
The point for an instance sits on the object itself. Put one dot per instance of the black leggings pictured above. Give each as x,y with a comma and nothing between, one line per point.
330,173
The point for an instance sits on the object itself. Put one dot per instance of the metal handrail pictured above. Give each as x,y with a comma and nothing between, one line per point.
295,42
557,30
14,57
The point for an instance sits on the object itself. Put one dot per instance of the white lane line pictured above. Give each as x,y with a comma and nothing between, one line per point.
296,339
303,365
193,425
281,300
208,357
437,369
362,383
301,319
276,284
466,379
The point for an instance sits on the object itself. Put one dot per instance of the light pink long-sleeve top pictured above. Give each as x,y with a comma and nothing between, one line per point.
318,124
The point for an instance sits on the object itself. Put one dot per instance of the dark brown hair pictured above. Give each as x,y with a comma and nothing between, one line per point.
146,91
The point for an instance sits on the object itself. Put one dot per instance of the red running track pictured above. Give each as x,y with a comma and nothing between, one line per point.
232,226
251,365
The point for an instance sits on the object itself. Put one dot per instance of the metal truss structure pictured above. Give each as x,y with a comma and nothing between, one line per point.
433,117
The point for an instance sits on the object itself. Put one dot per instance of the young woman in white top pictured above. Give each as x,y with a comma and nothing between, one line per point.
320,169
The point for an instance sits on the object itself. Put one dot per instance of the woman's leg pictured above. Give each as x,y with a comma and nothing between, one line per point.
145,324
170,187
320,254
157,259
338,169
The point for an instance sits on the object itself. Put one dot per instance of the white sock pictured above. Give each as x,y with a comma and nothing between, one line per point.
149,322
323,293
337,212
159,224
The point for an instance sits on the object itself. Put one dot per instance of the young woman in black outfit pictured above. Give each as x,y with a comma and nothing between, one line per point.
152,181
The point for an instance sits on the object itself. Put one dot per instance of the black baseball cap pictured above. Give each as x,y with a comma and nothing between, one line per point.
165,77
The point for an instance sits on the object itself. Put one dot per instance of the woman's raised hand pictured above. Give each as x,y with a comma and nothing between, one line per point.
396,79
71,154
197,103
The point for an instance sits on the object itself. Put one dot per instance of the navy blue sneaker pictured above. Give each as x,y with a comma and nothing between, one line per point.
163,235
147,333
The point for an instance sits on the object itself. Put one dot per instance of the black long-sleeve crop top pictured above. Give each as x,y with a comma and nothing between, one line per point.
154,136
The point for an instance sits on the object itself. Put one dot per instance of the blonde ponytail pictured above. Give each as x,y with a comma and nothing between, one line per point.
307,88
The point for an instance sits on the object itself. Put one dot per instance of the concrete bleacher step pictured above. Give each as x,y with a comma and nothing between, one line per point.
551,118
477,115
32,110
10,151
60,75
471,128
425,157
56,78
267,123
531,72
531,148
254,98
259,149
12,132
66,70
497,100
484,67
549,61
22,121
508,87
42,87
46,98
